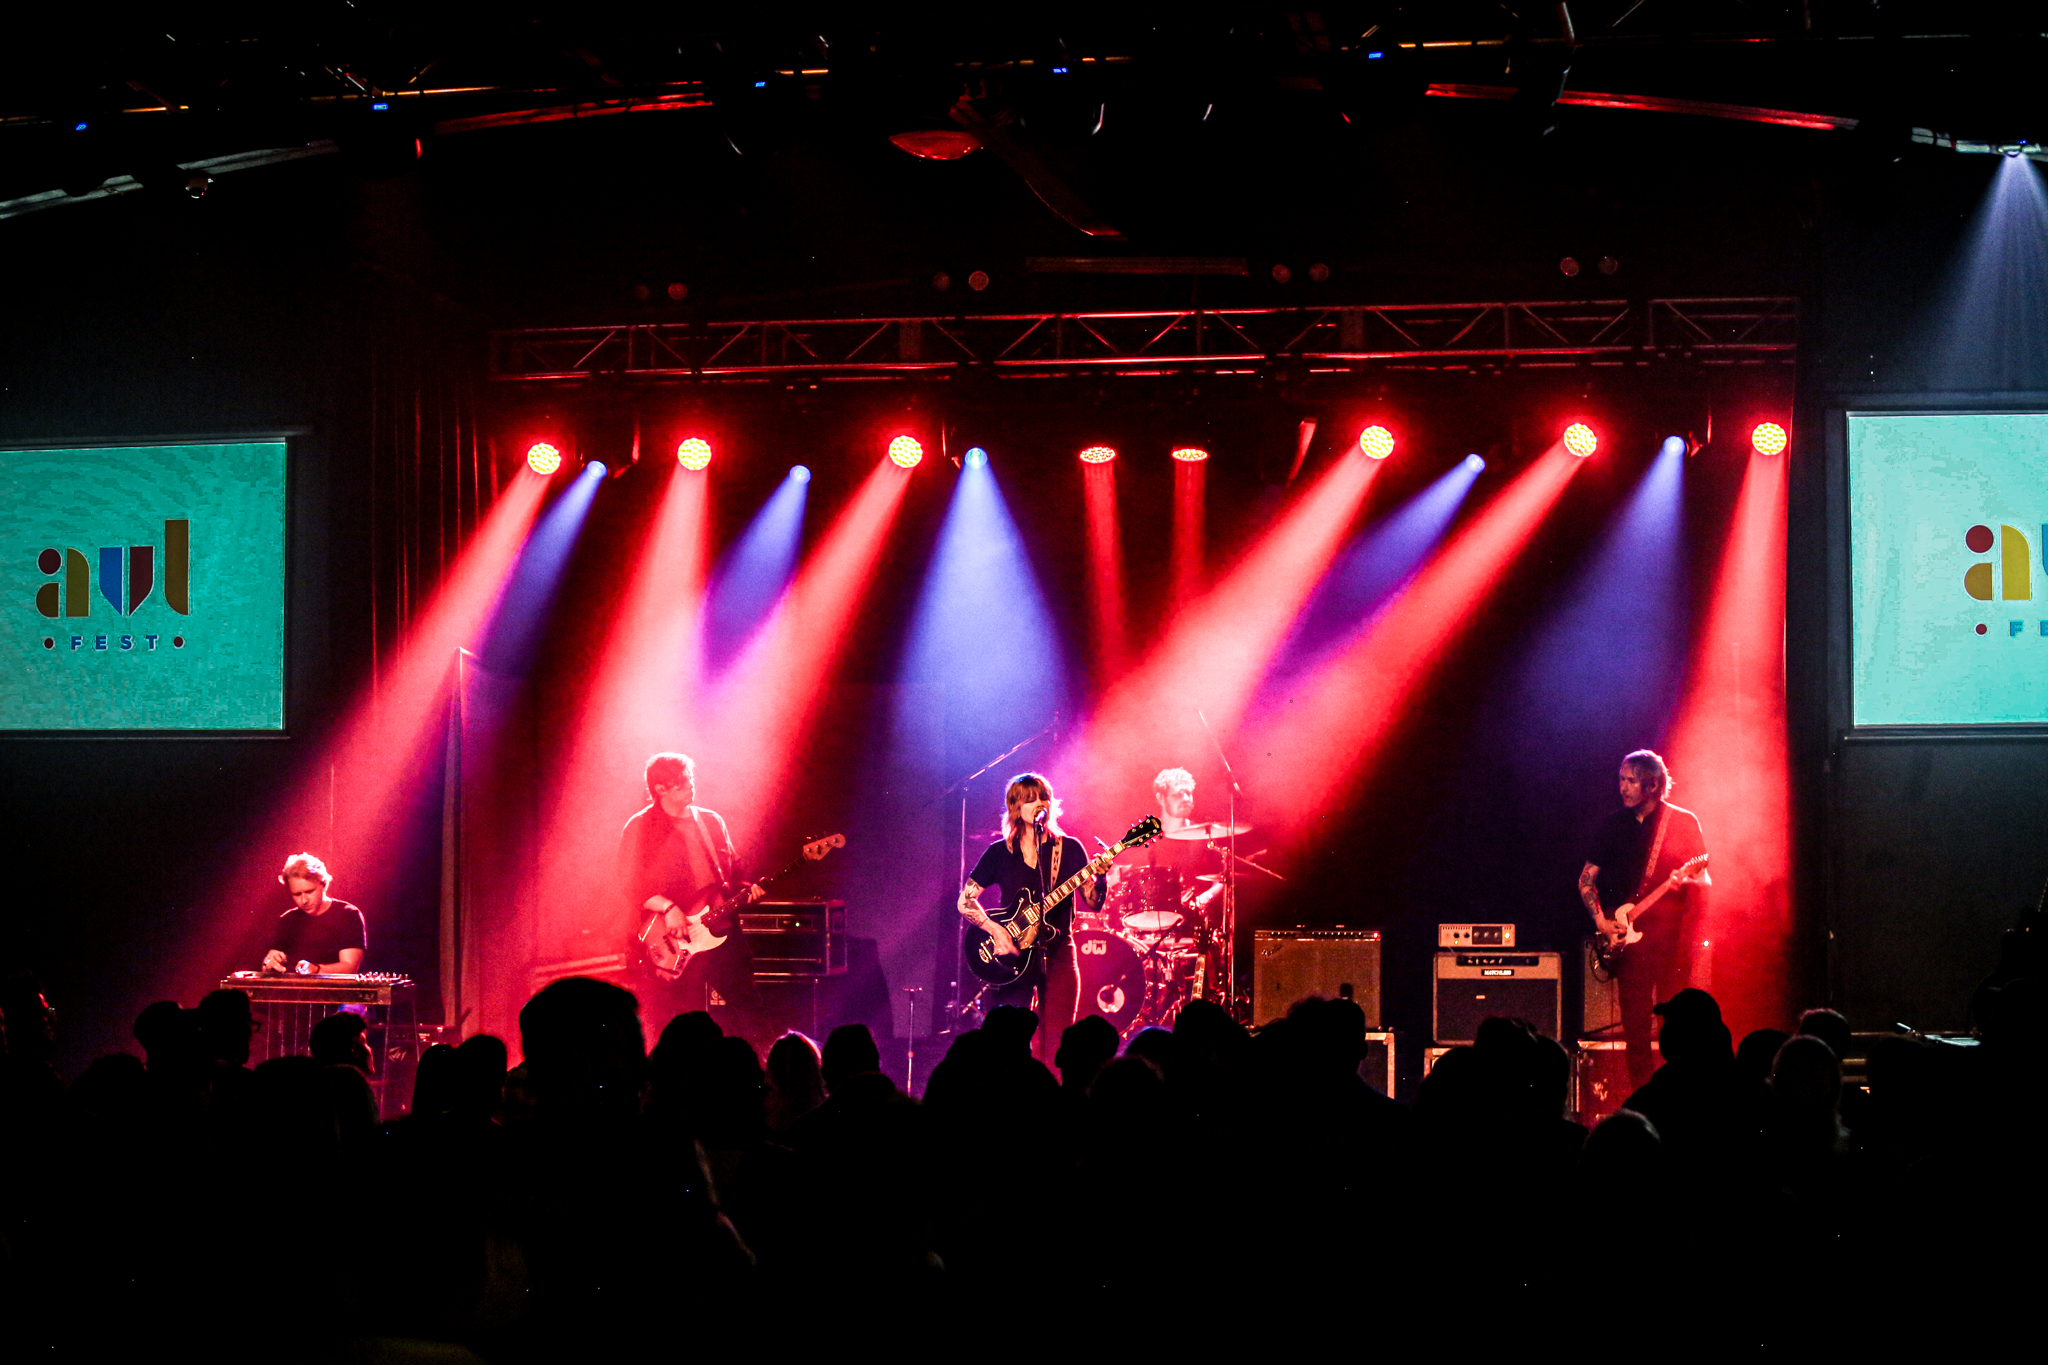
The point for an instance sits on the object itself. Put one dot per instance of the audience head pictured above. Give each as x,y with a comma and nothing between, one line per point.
584,1049
1156,1046
480,1076
1085,1047
338,1040
1806,1085
433,1083
1759,1046
167,1034
795,1079
226,1024
850,1051
1693,1032
1831,1028
1207,1031
1623,1151
1009,1028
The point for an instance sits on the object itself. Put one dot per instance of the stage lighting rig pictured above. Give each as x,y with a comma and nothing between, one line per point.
905,452
1190,454
1581,440
694,453
976,458
1098,455
1376,442
1768,439
543,458
800,472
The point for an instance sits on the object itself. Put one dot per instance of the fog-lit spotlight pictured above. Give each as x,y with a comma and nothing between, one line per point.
905,452
1673,445
1580,440
1097,455
801,473
1475,462
976,458
1190,454
1376,441
694,453
543,458
1767,438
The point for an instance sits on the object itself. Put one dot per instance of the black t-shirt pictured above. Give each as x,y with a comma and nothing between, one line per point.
1005,869
319,939
1622,845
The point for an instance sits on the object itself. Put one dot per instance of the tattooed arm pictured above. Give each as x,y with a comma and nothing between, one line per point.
971,910
1589,895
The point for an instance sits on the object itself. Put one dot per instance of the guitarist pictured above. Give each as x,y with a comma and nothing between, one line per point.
1034,855
670,851
1637,847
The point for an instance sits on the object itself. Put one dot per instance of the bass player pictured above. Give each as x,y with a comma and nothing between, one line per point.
1030,857
1637,847
671,853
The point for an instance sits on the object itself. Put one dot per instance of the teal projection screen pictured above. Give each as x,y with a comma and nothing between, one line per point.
145,587
1948,568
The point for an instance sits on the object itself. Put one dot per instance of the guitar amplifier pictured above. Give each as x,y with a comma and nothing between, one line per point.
1472,987
1289,965
791,939
289,1006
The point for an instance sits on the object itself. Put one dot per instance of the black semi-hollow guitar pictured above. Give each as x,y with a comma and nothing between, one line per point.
1026,922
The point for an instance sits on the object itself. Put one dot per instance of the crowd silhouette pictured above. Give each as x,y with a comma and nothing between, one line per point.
1195,1188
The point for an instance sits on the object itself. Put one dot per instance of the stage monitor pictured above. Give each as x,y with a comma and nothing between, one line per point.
145,587
1948,568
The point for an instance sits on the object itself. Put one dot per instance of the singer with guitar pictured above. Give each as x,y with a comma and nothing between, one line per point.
1637,850
1034,855
669,853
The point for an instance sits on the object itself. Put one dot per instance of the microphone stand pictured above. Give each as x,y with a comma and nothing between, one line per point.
962,786
1229,878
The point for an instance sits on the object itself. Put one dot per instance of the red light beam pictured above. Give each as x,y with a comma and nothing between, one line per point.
1314,744
1105,570
1729,757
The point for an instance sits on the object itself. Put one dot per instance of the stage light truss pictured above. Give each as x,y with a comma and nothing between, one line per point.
1442,335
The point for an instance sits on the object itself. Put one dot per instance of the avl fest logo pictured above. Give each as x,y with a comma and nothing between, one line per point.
127,576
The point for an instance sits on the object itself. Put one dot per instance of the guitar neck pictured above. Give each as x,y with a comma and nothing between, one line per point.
1066,888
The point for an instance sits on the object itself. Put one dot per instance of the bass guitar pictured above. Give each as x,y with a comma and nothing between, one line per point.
1026,922
673,936
1608,949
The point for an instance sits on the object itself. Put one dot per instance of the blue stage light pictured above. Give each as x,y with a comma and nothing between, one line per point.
1475,462
976,458
1673,445
801,473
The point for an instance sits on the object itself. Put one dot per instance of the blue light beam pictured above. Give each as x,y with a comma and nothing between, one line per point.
750,579
512,639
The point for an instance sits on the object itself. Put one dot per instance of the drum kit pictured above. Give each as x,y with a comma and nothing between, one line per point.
1157,943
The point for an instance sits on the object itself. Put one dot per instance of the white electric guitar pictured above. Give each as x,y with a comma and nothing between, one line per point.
671,937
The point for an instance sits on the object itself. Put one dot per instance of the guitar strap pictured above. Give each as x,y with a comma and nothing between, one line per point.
1656,847
1058,847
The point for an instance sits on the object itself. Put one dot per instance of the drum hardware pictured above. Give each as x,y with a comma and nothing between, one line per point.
1211,829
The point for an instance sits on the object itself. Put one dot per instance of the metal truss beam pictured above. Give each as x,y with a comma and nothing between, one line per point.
1451,335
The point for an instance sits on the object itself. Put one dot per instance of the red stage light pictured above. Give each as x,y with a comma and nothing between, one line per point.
543,458
1097,455
694,453
1376,441
1767,438
1581,440
905,452
1190,454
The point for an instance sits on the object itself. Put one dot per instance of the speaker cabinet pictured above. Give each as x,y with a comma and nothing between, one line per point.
1472,987
1601,1010
1289,965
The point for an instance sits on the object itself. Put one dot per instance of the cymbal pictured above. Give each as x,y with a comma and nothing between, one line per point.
1214,829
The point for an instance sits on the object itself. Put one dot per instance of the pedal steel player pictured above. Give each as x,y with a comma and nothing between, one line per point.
1034,854
319,934
1637,847
671,851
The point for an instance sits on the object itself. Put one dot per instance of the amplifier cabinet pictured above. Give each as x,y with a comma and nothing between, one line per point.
791,939
1600,1009
1376,1068
1289,965
1472,987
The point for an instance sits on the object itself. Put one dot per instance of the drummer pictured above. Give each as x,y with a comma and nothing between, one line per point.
1174,791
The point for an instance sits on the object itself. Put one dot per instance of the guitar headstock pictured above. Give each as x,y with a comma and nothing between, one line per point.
1691,867
818,848
1144,832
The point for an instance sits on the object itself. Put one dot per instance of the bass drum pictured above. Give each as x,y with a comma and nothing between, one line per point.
1112,979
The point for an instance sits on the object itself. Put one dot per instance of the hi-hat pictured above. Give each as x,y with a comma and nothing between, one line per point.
1213,830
